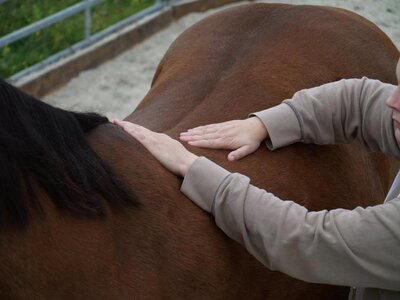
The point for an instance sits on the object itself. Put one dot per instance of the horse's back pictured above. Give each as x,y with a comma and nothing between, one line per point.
252,57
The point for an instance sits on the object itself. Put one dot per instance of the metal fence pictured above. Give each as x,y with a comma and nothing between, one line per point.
83,6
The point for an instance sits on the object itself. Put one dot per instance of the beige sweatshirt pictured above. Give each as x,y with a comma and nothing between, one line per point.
340,240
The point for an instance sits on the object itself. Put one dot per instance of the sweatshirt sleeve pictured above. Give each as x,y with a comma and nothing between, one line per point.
335,113
357,247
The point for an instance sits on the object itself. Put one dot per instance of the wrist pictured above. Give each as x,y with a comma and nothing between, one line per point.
188,162
258,128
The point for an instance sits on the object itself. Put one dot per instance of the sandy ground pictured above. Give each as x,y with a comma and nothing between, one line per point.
116,87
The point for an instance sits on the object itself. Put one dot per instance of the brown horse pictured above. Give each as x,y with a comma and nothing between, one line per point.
238,61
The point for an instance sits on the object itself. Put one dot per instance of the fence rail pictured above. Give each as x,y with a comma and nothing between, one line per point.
83,6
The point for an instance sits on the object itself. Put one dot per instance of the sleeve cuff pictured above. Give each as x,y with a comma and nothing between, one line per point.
202,182
282,125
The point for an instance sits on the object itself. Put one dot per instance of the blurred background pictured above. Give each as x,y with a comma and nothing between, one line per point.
29,50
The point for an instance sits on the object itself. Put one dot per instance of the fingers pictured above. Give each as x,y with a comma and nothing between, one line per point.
240,153
199,137
209,136
142,134
205,129
215,136
214,139
127,126
218,143
200,131
203,136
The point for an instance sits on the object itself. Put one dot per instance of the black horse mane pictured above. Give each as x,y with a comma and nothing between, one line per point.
44,145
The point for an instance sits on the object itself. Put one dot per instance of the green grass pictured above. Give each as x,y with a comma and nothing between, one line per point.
15,14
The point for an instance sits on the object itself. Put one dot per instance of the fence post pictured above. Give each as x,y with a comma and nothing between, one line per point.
87,19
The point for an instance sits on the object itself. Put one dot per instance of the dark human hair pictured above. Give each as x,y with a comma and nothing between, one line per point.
44,146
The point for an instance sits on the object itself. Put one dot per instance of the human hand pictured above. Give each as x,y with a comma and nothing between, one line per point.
242,136
169,152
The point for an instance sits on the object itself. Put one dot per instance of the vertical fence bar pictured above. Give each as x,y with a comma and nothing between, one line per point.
87,19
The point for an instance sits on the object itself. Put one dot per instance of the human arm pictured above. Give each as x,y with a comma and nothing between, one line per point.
169,152
332,113
343,247
242,136
349,247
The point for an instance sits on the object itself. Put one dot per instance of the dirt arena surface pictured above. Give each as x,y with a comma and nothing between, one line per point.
116,87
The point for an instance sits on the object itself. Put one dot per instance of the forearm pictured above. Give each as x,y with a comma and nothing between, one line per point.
335,113
324,247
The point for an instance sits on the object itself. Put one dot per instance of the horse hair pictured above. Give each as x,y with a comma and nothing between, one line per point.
44,145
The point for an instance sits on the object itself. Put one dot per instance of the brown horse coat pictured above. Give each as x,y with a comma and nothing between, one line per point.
235,62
